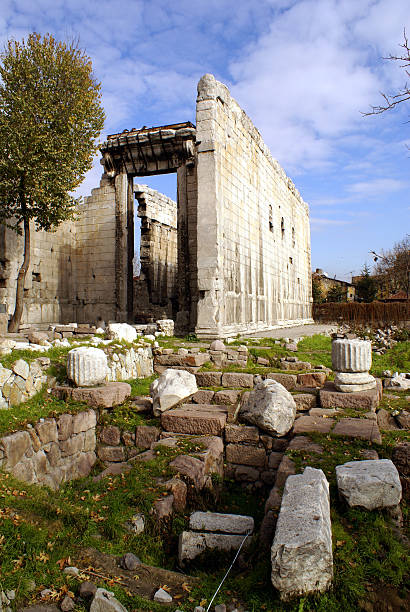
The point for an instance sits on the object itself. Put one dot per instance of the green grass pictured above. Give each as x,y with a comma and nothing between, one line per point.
396,359
42,405
39,527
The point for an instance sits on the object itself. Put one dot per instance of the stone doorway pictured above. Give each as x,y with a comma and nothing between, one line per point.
149,152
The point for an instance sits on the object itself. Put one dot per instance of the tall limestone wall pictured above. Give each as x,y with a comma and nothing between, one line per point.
49,282
94,256
156,289
253,235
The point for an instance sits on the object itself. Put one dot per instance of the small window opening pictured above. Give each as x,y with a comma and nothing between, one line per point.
282,227
270,218
290,260
36,277
293,237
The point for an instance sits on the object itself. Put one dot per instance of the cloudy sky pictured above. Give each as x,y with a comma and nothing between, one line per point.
303,70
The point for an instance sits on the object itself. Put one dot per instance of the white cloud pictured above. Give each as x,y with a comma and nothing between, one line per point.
305,81
376,187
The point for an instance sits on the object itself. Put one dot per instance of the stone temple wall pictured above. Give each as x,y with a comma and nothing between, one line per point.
253,227
94,256
155,289
49,281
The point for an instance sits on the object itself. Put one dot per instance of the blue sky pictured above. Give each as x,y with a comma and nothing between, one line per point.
302,69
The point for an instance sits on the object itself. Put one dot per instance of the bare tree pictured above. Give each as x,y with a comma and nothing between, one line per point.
393,267
403,95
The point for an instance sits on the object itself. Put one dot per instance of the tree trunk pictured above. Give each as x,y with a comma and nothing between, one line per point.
14,323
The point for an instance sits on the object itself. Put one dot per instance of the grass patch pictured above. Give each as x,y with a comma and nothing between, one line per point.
42,405
396,359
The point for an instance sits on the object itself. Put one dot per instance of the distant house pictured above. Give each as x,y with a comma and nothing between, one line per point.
342,290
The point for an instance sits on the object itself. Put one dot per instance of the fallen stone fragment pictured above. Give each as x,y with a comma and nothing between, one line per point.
193,543
369,484
71,571
122,331
301,552
87,590
170,388
130,562
104,601
271,407
220,608
67,604
386,421
162,596
224,523
136,524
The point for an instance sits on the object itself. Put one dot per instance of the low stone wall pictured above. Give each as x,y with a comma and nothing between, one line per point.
53,451
252,456
23,381
132,363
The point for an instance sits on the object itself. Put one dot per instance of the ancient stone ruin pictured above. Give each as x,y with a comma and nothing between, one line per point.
231,255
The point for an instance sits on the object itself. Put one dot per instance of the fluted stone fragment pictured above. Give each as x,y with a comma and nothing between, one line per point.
301,554
87,366
351,355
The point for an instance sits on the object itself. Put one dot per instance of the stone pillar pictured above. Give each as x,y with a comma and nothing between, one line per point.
209,317
182,319
351,361
123,238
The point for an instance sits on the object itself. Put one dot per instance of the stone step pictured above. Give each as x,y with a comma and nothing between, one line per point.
195,419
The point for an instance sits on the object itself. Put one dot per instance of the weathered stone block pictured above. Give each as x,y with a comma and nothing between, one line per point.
365,429
21,368
307,424
234,379
209,379
241,433
203,396
47,431
245,473
15,446
82,421
301,554
145,435
227,396
110,435
202,421
65,426
246,455
362,400
313,379
191,469
369,484
304,401
74,444
286,380
111,453
192,544
222,523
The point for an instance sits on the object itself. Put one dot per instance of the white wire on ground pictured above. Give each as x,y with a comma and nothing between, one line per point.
229,569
